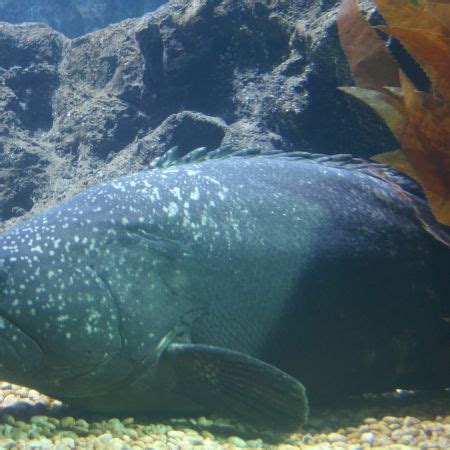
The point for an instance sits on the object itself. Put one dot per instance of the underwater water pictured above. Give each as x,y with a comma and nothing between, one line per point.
197,247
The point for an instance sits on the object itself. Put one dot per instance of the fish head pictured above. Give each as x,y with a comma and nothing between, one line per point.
59,327
89,294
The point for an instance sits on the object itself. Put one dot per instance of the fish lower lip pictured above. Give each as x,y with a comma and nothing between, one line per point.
19,352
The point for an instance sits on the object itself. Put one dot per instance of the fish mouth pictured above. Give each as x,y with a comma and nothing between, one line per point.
20,353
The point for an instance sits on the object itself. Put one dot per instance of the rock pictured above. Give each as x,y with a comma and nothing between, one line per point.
77,112
74,18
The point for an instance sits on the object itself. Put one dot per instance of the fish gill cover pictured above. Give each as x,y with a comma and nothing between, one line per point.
420,121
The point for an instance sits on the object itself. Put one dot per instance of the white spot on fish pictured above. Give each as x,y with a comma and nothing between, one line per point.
172,209
176,192
195,195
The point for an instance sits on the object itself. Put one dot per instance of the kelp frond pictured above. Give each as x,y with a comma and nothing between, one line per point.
420,121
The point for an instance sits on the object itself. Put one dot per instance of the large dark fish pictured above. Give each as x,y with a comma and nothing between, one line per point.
164,291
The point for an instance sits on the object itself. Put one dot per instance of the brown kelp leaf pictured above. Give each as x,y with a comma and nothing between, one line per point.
431,51
407,14
441,10
426,142
370,63
385,104
397,160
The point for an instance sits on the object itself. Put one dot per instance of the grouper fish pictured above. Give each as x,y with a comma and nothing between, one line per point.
232,282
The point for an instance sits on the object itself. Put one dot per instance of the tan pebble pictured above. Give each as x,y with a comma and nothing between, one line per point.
391,419
133,434
39,420
204,422
380,441
80,430
105,436
22,393
20,435
367,437
175,434
407,439
370,420
399,447
82,423
207,434
287,447
10,399
8,418
410,421
237,441
67,433
7,430
397,434
115,443
67,422
7,443
44,401
255,443
53,420
336,437
128,421
23,425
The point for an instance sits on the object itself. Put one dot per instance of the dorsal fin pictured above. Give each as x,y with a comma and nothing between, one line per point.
406,187
343,161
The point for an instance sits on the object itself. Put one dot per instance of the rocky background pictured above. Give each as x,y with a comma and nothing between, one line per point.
74,17
193,73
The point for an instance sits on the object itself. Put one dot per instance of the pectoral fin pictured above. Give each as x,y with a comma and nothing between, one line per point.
234,384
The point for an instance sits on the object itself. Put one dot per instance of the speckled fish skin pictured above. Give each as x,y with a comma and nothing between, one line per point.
323,271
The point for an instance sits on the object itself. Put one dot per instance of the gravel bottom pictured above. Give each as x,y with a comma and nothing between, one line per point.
29,420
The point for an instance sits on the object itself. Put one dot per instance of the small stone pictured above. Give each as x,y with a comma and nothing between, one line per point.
128,421
42,400
204,422
115,424
68,441
105,436
237,441
10,400
410,421
81,423
39,420
175,434
391,419
367,437
370,420
7,418
336,437
67,422
258,443
407,439
133,434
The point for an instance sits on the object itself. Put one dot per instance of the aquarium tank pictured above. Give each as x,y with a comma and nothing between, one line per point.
225,224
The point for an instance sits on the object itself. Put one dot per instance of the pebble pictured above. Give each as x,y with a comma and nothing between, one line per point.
383,426
336,437
237,441
368,437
